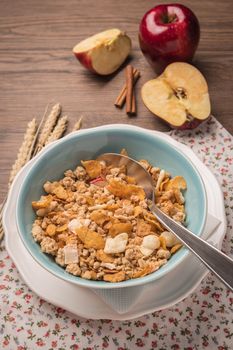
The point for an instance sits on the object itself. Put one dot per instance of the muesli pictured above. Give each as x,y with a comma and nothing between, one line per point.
96,224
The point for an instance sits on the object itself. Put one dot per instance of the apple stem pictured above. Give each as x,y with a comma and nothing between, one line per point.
169,18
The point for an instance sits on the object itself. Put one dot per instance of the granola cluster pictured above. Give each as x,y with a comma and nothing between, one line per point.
97,225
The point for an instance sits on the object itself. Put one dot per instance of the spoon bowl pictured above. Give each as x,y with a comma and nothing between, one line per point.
220,264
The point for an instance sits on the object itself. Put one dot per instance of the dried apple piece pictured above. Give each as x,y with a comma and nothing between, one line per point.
71,254
117,244
149,244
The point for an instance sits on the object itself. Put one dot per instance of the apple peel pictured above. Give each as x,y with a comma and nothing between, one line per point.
179,96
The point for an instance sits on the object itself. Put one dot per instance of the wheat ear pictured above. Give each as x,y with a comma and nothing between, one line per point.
59,130
77,126
21,160
48,127
24,149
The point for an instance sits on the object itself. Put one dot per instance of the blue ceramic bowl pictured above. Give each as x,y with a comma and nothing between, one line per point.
65,154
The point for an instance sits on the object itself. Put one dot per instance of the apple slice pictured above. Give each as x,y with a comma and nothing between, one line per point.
103,53
179,96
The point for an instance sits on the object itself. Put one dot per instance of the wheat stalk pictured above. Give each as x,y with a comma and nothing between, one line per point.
31,152
58,131
48,127
24,149
35,142
21,160
77,126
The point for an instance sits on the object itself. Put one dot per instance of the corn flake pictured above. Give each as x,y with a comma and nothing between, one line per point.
163,184
93,168
60,192
116,277
102,256
43,203
143,272
99,217
122,190
130,180
121,227
175,248
143,228
91,239
62,228
155,225
138,211
176,182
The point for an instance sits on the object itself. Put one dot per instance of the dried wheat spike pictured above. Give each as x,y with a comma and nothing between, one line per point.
24,149
78,124
59,130
48,126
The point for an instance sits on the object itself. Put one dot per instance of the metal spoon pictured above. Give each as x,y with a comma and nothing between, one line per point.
216,261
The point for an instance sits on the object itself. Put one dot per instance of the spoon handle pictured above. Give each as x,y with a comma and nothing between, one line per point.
219,263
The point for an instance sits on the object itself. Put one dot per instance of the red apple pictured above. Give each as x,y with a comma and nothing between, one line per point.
179,96
169,33
103,53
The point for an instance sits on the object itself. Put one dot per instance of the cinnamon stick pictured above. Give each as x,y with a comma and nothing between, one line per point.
122,95
133,106
129,88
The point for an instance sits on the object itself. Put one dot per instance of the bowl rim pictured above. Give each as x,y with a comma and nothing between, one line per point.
102,284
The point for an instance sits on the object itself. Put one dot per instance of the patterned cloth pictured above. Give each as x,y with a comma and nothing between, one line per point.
201,321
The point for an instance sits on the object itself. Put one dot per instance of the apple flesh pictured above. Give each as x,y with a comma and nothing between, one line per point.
169,33
103,53
179,96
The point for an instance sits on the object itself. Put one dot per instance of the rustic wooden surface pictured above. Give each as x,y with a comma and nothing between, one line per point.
37,65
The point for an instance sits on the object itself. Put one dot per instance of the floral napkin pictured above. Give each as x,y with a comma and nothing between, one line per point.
202,320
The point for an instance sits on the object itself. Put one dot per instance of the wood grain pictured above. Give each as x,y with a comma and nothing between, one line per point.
37,65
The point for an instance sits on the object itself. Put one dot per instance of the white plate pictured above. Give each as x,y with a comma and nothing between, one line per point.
84,302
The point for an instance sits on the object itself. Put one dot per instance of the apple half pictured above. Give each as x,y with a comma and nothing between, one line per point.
179,96
103,53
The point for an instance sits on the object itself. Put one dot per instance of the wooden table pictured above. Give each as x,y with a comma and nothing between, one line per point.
37,65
